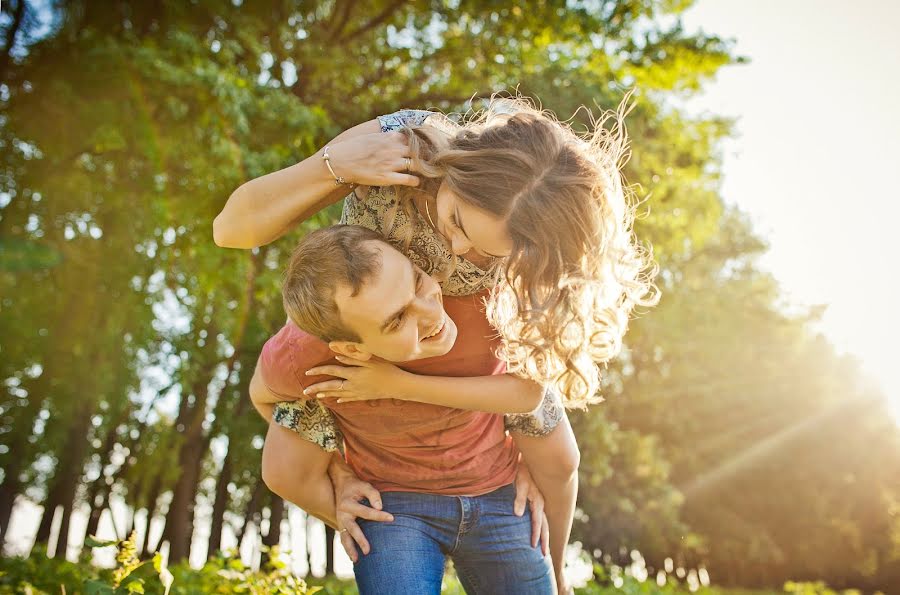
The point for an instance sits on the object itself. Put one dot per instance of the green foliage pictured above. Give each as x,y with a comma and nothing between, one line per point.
225,574
129,337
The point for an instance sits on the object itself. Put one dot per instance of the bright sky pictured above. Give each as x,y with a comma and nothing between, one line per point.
818,144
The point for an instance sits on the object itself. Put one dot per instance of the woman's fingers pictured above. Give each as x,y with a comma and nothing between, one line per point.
331,370
327,385
401,180
351,361
343,396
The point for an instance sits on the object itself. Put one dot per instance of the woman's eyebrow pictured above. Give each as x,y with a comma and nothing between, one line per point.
463,229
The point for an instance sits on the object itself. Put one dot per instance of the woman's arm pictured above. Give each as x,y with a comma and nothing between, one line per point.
262,210
368,380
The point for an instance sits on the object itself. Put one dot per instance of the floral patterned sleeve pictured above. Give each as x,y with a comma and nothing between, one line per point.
312,420
539,422
404,117
280,371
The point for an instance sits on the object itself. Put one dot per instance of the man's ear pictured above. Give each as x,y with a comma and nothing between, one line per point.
350,349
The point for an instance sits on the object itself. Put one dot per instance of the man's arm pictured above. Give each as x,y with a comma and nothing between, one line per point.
262,398
297,470
553,462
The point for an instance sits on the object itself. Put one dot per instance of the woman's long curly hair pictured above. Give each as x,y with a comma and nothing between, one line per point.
576,271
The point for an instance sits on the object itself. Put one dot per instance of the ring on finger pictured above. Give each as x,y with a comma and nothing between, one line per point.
341,387
408,163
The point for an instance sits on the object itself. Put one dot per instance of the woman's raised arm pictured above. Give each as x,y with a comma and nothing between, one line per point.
262,210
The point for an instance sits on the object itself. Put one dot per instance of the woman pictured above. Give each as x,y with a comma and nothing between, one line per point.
512,201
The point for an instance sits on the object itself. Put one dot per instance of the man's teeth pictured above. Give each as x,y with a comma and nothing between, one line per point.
436,331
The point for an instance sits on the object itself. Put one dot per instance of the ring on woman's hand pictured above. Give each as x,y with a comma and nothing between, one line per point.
342,384
342,531
408,163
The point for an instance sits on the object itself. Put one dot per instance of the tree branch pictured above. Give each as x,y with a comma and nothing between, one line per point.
379,19
336,27
11,37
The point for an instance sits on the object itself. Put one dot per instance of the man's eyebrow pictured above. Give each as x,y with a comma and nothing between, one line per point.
463,229
402,308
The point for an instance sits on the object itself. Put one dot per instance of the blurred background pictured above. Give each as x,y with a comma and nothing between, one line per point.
750,437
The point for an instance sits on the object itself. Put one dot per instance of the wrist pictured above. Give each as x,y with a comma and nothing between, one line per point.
338,471
409,386
327,158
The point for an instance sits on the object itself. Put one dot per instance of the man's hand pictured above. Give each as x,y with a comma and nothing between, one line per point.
527,492
359,380
348,491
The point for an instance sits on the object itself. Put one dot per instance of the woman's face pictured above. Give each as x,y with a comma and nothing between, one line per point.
469,228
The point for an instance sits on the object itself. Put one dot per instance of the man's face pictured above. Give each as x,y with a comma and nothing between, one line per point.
399,313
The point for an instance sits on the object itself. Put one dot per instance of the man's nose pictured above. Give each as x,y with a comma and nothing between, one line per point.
430,307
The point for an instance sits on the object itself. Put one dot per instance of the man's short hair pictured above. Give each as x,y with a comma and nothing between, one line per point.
321,262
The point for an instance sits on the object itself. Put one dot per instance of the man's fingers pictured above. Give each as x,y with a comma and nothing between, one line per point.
366,512
521,498
357,535
349,546
373,495
537,506
537,518
545,536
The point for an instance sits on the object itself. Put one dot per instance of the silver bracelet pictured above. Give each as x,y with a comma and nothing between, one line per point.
338,180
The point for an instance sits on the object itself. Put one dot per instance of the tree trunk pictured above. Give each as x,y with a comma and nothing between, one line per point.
10,41
250,511
179,528
8,493
273,535
329,551
151,512
220,506
52,502
72,466
96,513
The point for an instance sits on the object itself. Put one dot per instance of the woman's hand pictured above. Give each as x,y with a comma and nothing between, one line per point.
527,492
380,159
359,380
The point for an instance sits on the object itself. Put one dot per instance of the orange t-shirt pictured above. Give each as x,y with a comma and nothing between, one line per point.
403,445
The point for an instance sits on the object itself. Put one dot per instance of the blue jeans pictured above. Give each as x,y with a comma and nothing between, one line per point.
490,546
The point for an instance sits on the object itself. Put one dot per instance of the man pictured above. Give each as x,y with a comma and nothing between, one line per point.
445,474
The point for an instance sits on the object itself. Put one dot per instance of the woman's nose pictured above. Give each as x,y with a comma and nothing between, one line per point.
460,245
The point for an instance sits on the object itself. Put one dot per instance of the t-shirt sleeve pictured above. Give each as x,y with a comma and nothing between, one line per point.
277,366
404,117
